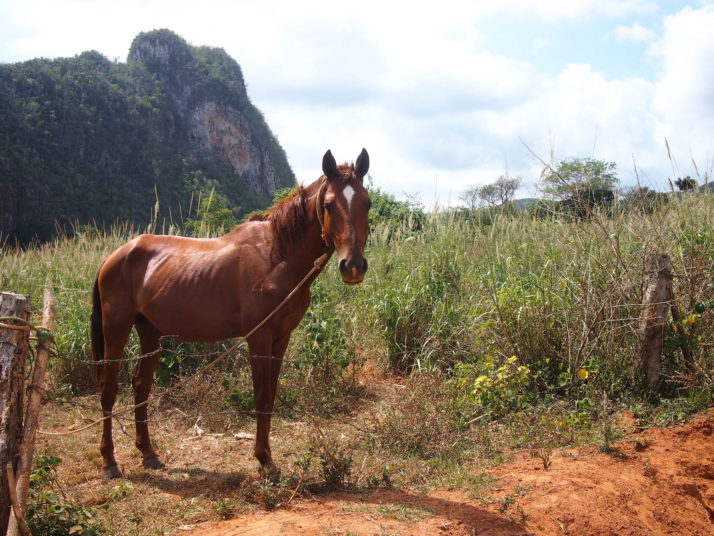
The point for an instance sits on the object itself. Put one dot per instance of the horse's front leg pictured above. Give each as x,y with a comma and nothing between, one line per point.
265,360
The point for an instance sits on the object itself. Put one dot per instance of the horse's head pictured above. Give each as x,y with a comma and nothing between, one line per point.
345,208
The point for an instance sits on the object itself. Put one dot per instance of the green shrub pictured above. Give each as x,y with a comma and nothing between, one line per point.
48,511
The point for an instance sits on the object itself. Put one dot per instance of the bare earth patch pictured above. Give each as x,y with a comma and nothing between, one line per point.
659,483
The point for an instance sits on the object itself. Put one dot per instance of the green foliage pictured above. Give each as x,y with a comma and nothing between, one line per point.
394,214
336,467
212,217
87,140
576,174
685,184
643,199
496,390
48,512
418,315
282,193
582,184
321,354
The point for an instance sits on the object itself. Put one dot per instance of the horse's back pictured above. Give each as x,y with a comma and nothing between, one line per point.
192,288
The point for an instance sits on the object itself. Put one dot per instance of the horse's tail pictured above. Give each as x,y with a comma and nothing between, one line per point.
97,333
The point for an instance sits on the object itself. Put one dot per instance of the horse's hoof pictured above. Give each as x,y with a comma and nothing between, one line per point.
111,472
153,463
271,473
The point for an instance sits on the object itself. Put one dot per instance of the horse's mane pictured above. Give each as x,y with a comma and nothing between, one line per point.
288,219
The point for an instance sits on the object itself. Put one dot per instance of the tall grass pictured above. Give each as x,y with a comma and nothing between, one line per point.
557,298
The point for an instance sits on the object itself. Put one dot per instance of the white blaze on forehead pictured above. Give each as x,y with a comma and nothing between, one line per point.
348,192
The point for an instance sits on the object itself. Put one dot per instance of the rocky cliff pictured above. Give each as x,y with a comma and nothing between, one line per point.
207,91
86,140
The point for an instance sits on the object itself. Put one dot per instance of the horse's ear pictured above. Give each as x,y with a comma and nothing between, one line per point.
329,166
362,165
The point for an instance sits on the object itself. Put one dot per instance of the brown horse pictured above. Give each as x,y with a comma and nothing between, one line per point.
205,290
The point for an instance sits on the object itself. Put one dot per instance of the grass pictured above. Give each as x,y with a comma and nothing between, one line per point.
465,342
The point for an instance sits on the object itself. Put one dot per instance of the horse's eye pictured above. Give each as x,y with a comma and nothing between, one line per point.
328,207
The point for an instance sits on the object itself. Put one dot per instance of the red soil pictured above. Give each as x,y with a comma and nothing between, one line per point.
659,483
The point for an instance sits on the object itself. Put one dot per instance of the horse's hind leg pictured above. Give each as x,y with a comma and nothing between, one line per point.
150,339
115,337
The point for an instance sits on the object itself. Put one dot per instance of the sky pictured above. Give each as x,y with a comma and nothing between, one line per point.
444,96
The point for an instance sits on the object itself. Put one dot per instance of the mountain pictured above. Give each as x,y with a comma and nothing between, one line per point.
86,140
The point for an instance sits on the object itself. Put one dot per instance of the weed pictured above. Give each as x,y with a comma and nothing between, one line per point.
424,423
271,493
382,481
336,468
225,508
48,511
544,455
506,503
649,470
120,491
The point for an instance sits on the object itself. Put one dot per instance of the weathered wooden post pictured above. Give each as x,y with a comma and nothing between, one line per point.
32,414
656,305
13,354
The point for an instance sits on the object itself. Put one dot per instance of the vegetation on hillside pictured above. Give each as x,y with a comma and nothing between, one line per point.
85,140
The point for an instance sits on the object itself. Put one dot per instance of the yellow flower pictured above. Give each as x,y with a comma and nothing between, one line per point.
583,374
691,319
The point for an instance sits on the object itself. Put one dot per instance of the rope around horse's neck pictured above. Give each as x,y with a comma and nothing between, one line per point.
318,265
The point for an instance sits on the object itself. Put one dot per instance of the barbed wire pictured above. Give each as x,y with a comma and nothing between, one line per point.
628,323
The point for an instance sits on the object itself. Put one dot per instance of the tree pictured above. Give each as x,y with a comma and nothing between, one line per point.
582,184
643,199
685,184
506,188
386,209
499,193
489,195
470,197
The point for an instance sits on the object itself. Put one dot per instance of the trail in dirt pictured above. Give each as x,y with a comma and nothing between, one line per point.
661,483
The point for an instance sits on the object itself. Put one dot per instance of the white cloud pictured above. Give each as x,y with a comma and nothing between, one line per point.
563,10
684,95
635,32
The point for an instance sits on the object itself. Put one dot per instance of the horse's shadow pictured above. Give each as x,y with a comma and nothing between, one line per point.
191,482
474,519
194,482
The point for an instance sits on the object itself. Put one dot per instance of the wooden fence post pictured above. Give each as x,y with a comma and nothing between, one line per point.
656,305
13,354
32,415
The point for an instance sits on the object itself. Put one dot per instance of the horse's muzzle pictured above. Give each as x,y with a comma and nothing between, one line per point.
353,269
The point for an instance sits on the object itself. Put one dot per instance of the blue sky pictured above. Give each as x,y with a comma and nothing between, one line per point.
445,95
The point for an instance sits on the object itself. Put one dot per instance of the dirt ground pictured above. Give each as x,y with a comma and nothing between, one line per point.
660,482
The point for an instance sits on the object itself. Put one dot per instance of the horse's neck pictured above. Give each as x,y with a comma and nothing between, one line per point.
313,245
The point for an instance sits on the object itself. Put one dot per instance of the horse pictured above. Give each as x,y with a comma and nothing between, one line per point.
208,290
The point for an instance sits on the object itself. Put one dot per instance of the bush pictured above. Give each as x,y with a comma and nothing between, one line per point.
48,511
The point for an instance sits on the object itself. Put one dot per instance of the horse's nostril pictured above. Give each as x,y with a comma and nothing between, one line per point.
365,265
343,266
